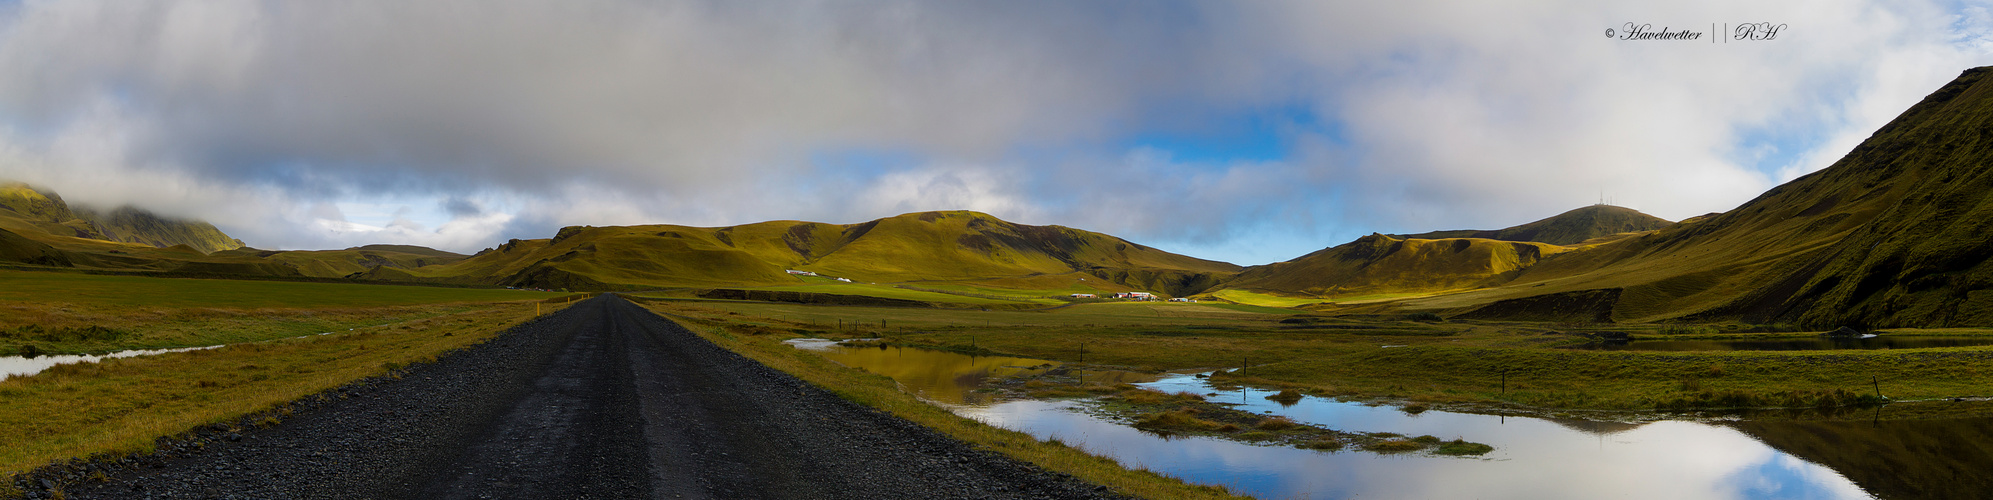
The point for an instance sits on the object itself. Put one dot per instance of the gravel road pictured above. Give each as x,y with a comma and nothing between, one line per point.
602,400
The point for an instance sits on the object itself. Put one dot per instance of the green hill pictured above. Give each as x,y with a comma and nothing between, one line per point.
351,262
41,229
955,246
23,207
1567,228
1379,264
412,250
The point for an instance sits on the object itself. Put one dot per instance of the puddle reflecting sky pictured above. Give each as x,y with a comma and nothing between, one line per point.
940,376
1533,458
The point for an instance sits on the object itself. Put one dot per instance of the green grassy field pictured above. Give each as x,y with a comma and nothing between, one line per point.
1036,296
1263,299
60,312
867,319
824,285
76,288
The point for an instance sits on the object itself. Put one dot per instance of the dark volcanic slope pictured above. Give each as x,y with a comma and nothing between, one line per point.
603,400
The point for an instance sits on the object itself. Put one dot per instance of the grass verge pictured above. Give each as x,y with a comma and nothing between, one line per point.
122,406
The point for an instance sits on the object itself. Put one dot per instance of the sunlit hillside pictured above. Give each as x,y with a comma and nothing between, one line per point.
1567,228
955,246
1893,234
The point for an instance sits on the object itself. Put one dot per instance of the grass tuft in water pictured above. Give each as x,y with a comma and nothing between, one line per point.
1285,397
1459,447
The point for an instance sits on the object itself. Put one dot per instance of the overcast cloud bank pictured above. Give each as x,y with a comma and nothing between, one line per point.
1247,132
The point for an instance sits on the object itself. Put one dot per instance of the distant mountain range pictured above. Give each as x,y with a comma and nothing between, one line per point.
1893,234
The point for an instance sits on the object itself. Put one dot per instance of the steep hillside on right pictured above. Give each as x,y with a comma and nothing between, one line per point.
1893,234
1922,258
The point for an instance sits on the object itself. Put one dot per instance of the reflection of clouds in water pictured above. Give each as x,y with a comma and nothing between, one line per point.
1533,458
1786,476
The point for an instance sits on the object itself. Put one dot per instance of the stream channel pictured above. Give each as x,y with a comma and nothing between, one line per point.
28,366
1858,455
23,366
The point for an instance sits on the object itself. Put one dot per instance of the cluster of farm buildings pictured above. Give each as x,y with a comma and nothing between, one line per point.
1129,296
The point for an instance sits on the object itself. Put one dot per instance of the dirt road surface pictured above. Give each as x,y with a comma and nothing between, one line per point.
602,400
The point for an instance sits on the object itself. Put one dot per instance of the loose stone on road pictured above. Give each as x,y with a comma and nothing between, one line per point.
602,400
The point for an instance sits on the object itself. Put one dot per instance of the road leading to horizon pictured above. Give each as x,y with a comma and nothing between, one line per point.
602,400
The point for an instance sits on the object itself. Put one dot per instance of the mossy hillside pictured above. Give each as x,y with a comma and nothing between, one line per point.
348,262
1886,236
24,243
134,225
920,247
1568,228
47,212
1382,264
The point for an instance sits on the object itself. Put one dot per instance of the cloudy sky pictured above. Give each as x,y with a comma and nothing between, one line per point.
1242,131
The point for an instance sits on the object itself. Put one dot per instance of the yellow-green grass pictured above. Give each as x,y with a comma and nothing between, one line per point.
1264,299
66,329
881,392
122,405
31,286
1629,380
1038,296
1382,297
863,321
893,292
1249,308
54,312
